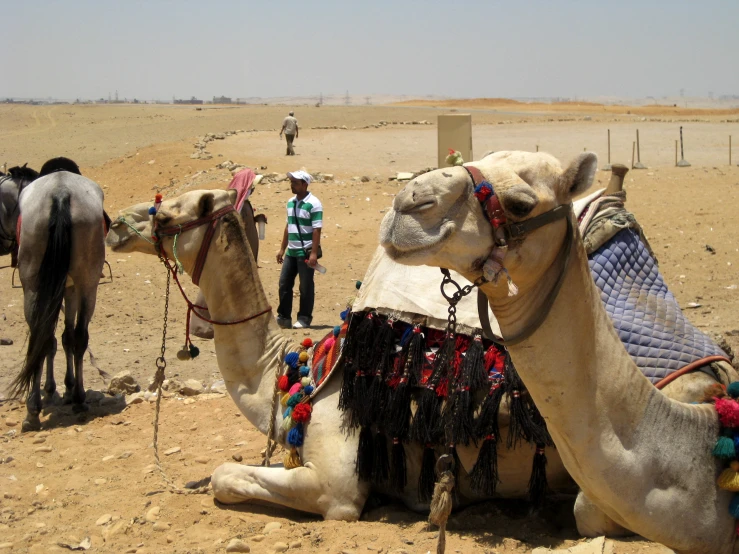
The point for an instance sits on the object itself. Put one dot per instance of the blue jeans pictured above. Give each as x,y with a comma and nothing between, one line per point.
292,266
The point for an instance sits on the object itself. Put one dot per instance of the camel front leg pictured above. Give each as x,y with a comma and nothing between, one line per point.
302,488
592,522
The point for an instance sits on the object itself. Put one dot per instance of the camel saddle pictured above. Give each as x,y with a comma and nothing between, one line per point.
645,314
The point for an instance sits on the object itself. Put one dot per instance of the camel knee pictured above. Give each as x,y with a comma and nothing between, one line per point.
222,482
592,522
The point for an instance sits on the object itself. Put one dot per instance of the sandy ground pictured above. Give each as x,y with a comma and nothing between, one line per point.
134,151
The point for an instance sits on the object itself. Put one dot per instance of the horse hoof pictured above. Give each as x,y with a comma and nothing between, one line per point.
80,408
31,423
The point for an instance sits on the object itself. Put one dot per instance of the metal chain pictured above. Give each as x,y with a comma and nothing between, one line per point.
161,364
455,297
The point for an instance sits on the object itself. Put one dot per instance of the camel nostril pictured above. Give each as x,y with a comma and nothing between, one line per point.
413,196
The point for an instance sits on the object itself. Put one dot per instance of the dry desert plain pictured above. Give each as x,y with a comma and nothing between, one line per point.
93,477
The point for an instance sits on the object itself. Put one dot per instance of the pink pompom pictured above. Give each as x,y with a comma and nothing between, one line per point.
728,412
329,344
295,389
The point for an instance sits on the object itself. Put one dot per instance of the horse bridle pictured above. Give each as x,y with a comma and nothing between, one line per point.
506,234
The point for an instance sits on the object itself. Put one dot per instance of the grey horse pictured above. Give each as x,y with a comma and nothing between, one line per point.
60,259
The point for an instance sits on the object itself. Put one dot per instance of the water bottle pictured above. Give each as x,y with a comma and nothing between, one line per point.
261,226
319,268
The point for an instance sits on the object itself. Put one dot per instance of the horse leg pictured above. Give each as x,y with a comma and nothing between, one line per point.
70,311
33,403
50,385
81,340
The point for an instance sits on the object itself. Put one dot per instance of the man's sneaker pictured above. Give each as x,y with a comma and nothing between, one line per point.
300,325
284,323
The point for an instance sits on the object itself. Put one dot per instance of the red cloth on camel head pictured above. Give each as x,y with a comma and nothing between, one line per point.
242,182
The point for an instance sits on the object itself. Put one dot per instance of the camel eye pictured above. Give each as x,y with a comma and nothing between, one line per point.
520,208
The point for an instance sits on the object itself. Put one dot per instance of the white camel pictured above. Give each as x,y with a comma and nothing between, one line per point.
642,460
249,357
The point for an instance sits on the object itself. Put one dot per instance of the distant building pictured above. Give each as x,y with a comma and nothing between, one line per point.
192,100
221,100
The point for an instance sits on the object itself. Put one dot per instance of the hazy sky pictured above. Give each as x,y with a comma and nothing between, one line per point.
239,48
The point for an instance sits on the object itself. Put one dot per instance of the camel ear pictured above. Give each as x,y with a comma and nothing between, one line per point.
578,177
232,195
205,206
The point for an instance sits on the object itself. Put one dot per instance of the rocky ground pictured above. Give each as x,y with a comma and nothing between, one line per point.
93,477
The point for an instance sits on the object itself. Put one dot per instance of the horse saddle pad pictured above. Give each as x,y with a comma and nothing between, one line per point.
646,315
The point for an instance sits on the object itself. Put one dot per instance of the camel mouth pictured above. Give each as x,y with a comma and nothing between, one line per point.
422,207
402,236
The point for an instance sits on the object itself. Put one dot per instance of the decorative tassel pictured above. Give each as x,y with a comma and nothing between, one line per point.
538,481
473,366
414,357
457,417
484,476
362,409
346,396
487,422
295,436
733,390
426,418
287,424
427,477
724,449
729,478
734,506
381,462
539,432
520,422
384,349
292,459
365,455
728,412
398,476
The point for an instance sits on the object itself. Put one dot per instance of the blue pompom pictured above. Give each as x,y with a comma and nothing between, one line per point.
308,390
152,211
304,371
337,330
295,436
734,506
736,442
287,413
292,359
343,315
733,389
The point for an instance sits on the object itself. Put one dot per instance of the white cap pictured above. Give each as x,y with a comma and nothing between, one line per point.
301,175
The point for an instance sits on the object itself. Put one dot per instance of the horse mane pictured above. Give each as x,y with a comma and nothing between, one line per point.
59,164
23,173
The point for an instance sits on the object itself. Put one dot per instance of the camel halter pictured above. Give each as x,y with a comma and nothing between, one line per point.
504,235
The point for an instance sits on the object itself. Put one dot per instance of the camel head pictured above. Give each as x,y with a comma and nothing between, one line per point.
132,231
436,219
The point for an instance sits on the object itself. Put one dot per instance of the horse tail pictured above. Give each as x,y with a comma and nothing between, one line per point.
51,281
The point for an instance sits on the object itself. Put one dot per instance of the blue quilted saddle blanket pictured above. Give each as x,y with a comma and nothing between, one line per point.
646,315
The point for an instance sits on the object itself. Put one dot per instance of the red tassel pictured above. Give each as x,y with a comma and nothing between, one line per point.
728,412
301,412
284,383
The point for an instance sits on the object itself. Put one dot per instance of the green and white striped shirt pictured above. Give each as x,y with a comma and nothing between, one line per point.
309,212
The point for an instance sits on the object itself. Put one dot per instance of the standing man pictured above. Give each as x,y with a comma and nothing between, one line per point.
290,128
299,252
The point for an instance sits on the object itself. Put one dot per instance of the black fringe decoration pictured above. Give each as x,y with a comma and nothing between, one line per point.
457,417
427,477
540,431
346,395
365,454
426,420
414,357
484,476
522,424
398,475
538,482
382,365
381,462
487,422
473,365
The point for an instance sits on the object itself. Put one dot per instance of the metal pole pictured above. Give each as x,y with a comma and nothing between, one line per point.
682,162
633,149
638,164
607,167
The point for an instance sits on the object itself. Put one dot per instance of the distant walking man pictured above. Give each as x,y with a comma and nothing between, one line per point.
290,128
299,252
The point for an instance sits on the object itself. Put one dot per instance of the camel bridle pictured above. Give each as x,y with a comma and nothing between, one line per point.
506,234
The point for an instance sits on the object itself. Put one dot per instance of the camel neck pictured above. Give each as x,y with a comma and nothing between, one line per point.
595,401
249,353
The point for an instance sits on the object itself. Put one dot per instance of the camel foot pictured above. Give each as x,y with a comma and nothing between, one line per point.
31,423
80,408
592,522
67,398
52,399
